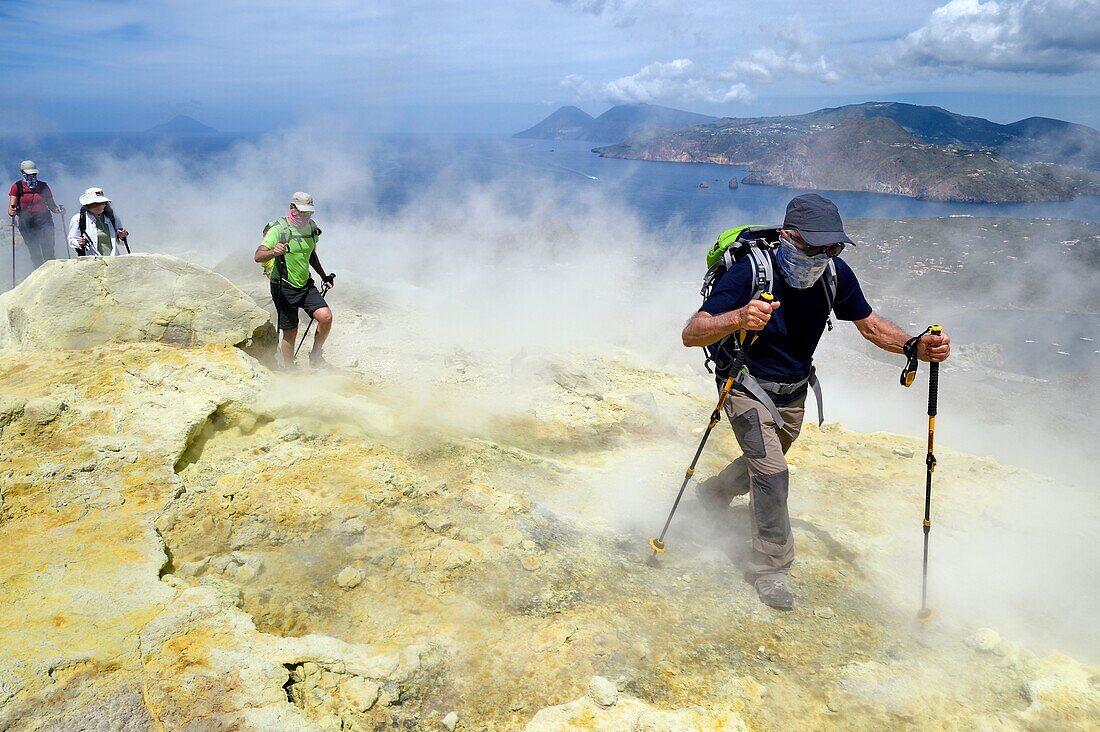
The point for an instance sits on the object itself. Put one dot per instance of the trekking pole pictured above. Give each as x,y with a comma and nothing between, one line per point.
907,375
658,544
13,251
324,288
64,233
91,250
126,243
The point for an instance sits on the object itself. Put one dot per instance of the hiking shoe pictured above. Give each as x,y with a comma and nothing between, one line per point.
317,360
774,593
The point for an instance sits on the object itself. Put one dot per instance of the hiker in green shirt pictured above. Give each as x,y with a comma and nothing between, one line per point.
287,252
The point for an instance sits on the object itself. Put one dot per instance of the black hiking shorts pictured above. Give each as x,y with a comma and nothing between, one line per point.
289,299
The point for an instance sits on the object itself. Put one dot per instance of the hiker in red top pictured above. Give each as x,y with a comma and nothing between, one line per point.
32,201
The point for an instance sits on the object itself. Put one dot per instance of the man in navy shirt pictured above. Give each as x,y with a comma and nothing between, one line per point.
781,362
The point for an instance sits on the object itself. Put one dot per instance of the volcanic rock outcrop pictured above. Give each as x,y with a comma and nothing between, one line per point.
80,303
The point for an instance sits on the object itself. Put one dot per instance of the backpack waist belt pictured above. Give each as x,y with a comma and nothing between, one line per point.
760,389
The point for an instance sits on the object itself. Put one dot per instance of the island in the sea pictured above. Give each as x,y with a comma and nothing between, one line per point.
181,124
883,147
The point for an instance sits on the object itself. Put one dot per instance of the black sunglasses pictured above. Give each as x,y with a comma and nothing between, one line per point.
830,249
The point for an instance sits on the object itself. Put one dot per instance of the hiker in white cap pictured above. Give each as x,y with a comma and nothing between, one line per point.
32,201
287,252
96,231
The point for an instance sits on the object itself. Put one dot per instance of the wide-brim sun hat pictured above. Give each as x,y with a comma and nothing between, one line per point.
93,195
816,219
303,202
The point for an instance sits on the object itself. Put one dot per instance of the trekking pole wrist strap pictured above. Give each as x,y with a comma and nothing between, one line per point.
911,350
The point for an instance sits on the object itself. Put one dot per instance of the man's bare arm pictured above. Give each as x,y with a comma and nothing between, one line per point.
889,337
313,260
263,254
704,328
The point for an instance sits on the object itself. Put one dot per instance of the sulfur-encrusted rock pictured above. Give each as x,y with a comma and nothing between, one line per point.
79,303
629,713
349,577
984,639
602,691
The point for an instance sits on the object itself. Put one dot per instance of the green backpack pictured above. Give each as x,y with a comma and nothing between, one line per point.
756,243
737,243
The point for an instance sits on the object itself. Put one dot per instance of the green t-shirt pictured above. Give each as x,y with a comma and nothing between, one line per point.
300,246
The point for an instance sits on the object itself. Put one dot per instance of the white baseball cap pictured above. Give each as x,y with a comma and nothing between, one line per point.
303,202
28,167
93,195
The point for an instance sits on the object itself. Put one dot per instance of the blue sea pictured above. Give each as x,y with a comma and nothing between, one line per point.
667,193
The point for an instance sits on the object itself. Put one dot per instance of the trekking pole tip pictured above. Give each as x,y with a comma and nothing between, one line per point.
925,614
657,545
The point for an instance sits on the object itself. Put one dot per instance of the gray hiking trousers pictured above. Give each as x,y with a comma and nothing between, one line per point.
762,472
38,234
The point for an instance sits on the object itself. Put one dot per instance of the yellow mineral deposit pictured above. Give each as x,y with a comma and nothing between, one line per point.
190,541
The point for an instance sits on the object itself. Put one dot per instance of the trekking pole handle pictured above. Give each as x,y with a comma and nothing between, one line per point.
742,353
934,379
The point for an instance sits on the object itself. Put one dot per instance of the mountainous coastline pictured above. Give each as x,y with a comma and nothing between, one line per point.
878,155
571,123
885,147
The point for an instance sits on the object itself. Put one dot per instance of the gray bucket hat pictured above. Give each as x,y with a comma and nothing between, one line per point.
816,219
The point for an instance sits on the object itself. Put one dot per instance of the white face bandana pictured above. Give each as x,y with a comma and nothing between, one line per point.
799,269
298,219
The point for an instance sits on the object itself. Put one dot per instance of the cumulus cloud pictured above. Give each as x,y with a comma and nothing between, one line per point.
1038,36
675,81
766,65
578,86
794,53
791,54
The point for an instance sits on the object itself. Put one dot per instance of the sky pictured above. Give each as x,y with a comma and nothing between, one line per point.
499,66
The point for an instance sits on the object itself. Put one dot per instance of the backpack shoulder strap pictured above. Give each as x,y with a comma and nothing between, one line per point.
19,194
828,280
83,225
762,277
282,225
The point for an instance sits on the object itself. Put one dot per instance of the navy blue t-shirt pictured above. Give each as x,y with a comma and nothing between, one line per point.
785,349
